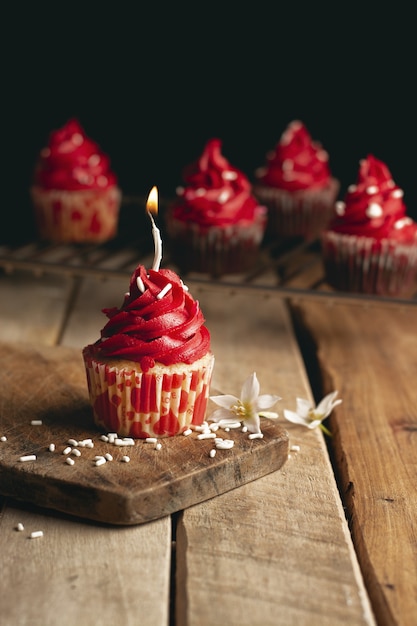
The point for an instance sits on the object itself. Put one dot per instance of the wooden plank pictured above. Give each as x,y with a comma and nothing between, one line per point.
370,355
48,385
278,550
80,573
32,309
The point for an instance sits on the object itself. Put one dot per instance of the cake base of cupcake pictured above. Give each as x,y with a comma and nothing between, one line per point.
161,402
85,216
365,265
216,250
303,213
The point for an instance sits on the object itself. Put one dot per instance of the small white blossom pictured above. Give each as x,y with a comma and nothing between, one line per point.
247,409
308,415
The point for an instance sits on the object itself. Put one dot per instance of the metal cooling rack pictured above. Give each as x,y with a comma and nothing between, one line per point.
288,270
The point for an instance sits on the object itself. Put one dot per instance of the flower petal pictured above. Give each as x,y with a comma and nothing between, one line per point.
303,407
250,390
221,414
226,400
326,405
253,423
295,418
266,401
270,415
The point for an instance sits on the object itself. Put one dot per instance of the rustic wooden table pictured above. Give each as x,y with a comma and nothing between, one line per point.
288,548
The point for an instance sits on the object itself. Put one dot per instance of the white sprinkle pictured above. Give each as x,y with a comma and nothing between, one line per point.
158,446
75,452
402,222
256,436
397,193
214,427
20,527
295,448
108,456
3,438
66,450
128,441
224,196
101,461
140,284
89,444
184,286
340,207
208,435
125,459
371,189
244,429
28,457
36,533
164,291
187,432
226,444
374,210
51,447
112,435
151,440
36,423
69,460
72,442
104,438
227,429
201,429
212,452
98,456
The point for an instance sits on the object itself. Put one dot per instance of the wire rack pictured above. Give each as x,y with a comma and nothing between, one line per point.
286,269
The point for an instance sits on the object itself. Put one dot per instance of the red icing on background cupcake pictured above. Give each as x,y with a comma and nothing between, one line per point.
374,206
215,225
297,162
72,161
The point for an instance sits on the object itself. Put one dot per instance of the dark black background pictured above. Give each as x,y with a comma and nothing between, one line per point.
152,84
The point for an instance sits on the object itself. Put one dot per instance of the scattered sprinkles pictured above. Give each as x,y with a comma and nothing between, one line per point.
20,527
36,423
27,457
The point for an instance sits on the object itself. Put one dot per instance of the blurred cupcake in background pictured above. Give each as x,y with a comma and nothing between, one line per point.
215,225
75,193
296,185
371,244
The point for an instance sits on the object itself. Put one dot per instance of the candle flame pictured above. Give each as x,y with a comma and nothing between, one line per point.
152,202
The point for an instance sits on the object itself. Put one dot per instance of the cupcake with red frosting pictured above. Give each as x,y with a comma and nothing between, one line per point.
75,193
149,373
371,244
296,185
215,224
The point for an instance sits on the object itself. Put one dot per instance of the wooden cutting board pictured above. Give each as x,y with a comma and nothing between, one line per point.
48,384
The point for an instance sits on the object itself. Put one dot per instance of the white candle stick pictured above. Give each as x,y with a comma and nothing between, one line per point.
152,206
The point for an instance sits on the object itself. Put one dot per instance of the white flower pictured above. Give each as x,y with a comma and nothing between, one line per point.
308,415
247,409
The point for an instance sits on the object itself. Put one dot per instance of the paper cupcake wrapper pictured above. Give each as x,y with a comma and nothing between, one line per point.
216,250
364,265
298,214
136,404
77,216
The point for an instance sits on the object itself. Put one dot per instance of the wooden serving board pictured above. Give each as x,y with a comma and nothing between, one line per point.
48,384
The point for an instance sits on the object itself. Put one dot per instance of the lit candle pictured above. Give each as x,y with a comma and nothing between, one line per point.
152,207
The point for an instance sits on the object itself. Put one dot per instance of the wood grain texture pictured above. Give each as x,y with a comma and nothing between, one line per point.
370,356
278,550
49,384
82,573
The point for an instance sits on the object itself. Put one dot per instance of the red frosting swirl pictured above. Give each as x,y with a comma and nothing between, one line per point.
148,327
374,206
297,162
215,192
71,161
